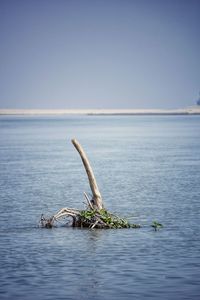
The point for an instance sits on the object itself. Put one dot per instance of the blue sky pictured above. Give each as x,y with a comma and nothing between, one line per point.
99,53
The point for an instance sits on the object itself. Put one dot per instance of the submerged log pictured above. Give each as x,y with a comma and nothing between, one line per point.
95,215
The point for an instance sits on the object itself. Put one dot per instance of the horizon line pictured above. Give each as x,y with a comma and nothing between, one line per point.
101,111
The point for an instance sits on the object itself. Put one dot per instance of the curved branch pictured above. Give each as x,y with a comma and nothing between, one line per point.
97,199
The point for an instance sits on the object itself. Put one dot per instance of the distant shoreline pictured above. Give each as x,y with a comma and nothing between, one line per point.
193,110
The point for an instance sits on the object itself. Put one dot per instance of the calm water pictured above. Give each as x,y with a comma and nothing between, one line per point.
147,168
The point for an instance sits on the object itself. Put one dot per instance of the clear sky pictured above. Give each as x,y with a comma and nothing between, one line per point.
99,53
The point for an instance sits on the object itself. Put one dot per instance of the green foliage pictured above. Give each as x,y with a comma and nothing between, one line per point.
104,219
156,225
87,214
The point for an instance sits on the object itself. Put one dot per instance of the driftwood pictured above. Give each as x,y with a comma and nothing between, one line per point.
95,215
97,201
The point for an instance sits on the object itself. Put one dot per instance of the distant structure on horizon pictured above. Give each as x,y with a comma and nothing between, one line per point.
198,101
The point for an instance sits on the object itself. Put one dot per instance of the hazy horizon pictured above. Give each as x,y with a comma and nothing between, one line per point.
96,54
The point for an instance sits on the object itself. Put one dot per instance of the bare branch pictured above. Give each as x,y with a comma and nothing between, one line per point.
97,199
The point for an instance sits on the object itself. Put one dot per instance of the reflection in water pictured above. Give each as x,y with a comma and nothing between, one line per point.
92,281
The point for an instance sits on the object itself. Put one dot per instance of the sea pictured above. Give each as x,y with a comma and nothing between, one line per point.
147,169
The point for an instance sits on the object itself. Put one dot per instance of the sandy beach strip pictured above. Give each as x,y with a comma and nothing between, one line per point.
193,110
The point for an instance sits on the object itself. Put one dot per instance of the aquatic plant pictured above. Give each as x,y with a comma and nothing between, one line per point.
156,225
103,219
